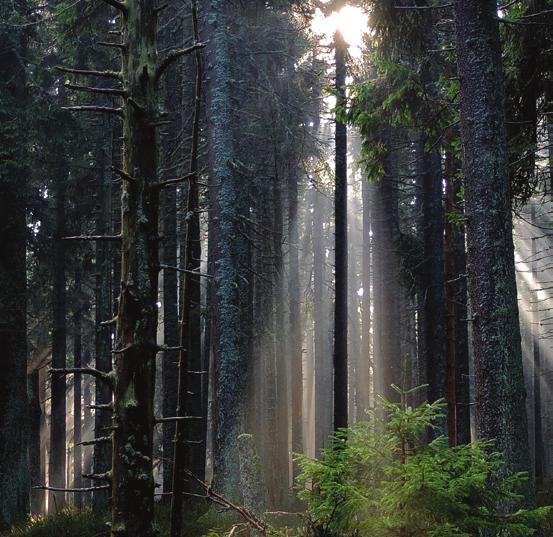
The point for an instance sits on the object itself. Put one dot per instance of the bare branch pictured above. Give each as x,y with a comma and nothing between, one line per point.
105,406
178,418
121,46
185,271
105,91
95,441
94,108
175,181
123,174
76,491
89,72
118,5
92,238
173,56
100,375
246,514
99,477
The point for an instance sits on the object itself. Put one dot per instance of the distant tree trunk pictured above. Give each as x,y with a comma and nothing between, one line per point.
35,413
363,373
230,375
432,291
321,327
456,299
499,381
294,315
77,389
57,463
103,312
281,369
340,355
170,141
196,402
538,370
387,352
190,335
14,470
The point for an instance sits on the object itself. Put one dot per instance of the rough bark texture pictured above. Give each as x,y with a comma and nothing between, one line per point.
499,382
135,342
230,374
14,475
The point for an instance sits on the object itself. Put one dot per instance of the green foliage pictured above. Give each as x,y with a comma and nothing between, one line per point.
67,523
387,480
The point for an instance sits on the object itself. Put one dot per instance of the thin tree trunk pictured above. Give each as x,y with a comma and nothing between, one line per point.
77,389
103,312
188,339
57,463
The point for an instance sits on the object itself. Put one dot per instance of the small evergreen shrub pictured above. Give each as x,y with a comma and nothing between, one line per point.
387,480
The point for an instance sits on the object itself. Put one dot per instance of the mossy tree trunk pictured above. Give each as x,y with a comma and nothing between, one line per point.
499,382
135,342
230,372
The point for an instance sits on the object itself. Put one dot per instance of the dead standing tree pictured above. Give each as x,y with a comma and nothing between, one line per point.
133,376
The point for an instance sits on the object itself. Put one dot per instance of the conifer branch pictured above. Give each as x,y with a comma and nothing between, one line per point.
92,238
97,374
173,56
95,441
93,108
89,72
76,491
104,91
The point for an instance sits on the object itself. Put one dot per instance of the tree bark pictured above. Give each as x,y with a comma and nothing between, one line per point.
499,381
14,473
340,354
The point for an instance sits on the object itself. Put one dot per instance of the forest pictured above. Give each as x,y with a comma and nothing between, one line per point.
276,268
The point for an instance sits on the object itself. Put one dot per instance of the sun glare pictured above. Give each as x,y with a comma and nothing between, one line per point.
351,21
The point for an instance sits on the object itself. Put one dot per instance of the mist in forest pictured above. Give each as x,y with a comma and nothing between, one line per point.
275,268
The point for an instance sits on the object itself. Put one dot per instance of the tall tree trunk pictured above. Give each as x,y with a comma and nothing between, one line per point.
363,373
230,374
135,342
14,474
77,388
387,353
432,280
103,312
456,300
57,463
35,421
294,316
321,327
340,355
499,381
190,351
